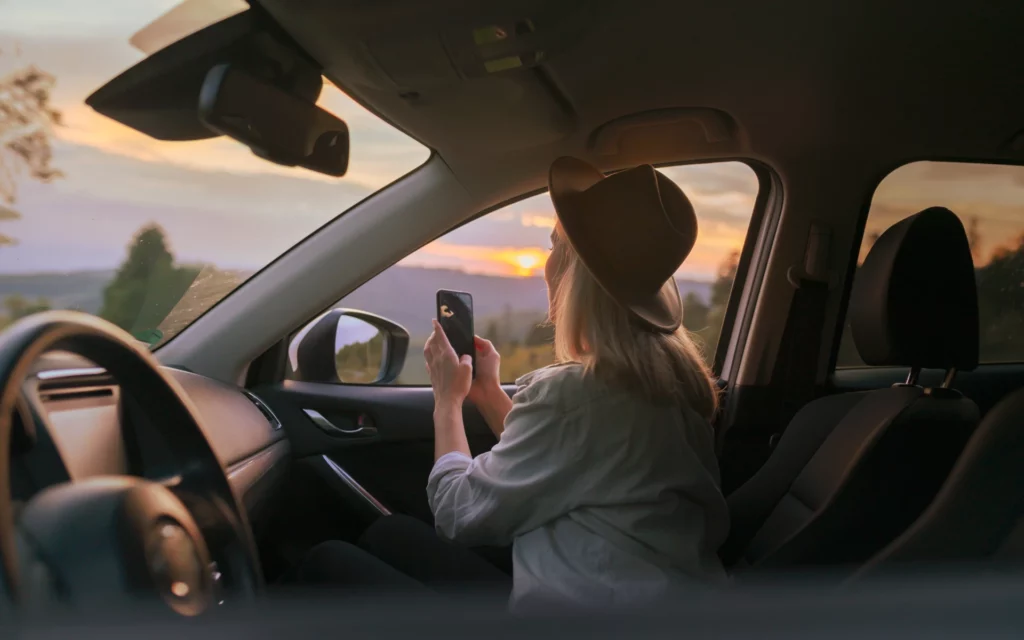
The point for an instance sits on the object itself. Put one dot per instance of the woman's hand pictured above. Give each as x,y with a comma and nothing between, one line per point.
486,392
450,376
488,372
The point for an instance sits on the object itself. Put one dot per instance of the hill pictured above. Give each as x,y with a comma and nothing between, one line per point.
405,295
81,290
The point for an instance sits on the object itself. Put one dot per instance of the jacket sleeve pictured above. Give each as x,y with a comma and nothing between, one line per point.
531,476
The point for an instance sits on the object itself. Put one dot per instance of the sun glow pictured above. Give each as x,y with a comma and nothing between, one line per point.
526,262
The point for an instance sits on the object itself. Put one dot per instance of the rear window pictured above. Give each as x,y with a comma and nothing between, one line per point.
989,199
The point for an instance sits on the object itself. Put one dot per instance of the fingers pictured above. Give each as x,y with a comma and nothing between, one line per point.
483,345
437,345
466,362
441,343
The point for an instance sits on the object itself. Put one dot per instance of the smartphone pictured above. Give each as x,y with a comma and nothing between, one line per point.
455,314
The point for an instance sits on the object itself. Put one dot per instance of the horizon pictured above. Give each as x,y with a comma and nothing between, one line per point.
252,271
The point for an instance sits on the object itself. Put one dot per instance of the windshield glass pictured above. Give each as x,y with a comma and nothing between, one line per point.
148,234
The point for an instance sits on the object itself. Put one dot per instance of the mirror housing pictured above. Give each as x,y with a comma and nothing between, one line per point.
277,125
318,346
159,96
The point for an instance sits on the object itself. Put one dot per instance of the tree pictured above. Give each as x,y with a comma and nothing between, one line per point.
147,285
360,362
540,334
721,290
974,238
491,332
26,122
695,312
17,306
1001,304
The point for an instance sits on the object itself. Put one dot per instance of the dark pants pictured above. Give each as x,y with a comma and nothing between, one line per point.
401,553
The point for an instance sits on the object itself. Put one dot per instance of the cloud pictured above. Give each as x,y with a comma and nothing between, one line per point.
221,204
543,221
83,63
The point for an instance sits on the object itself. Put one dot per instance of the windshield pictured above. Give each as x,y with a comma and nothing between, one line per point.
148,234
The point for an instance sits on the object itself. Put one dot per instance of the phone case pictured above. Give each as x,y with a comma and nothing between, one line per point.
455,314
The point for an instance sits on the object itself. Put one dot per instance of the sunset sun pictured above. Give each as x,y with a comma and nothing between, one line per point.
526,261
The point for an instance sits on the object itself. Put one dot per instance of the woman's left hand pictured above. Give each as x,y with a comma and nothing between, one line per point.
450,376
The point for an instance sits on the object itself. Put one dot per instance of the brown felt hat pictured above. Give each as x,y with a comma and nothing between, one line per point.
632,230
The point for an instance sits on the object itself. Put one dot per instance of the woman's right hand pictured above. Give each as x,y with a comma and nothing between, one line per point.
486,392
487,382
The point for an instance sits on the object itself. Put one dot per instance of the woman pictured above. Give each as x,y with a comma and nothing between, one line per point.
604,478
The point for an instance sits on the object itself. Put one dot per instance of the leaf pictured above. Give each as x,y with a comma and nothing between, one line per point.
7,241
6,213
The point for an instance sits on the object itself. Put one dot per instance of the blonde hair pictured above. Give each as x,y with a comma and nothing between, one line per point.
591,328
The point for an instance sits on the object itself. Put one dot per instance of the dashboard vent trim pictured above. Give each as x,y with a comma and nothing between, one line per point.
275,423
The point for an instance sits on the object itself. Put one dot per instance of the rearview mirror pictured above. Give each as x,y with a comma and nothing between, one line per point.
275,124
349,346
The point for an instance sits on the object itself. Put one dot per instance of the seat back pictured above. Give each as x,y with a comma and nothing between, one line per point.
978,512
852,471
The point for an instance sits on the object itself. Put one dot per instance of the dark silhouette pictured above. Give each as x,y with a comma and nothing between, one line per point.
147,285
1000,308
26,121
705,321
1001,304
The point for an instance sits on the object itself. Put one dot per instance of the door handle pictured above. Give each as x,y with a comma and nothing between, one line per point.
364,430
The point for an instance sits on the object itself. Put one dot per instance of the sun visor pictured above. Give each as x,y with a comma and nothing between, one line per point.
183,19
160,95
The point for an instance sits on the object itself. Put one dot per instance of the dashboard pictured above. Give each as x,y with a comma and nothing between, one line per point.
90,430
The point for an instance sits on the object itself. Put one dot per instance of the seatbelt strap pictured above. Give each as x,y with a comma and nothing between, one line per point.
794,376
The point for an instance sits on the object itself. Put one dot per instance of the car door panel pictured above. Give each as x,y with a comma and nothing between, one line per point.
391,464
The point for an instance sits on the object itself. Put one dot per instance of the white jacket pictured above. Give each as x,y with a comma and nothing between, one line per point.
607,498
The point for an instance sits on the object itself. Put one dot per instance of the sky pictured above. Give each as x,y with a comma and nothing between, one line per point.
221,205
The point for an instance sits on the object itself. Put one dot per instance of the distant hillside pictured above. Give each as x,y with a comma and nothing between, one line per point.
406,295
81,290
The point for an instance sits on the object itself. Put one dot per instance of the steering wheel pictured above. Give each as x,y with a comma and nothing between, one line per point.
183,538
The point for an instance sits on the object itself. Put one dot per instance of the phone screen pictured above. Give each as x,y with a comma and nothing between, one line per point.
455,314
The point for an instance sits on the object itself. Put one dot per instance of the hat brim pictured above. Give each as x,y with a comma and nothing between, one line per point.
569,177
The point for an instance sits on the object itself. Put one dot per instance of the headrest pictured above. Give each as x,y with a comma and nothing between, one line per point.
914,300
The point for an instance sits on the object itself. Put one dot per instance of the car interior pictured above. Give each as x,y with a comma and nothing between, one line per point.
242,432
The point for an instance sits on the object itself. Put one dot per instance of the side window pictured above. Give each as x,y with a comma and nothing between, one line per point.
989,199
499,258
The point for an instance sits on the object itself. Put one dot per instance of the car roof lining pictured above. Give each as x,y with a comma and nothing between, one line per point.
829,96
894,82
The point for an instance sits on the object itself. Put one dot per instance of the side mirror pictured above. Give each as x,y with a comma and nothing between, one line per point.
345,345
275,124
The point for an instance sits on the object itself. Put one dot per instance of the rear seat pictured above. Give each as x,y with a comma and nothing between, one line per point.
853,471
979,512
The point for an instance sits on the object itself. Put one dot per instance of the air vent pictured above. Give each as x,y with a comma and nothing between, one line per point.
264,409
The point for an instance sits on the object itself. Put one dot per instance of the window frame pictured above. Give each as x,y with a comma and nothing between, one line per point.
767,190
